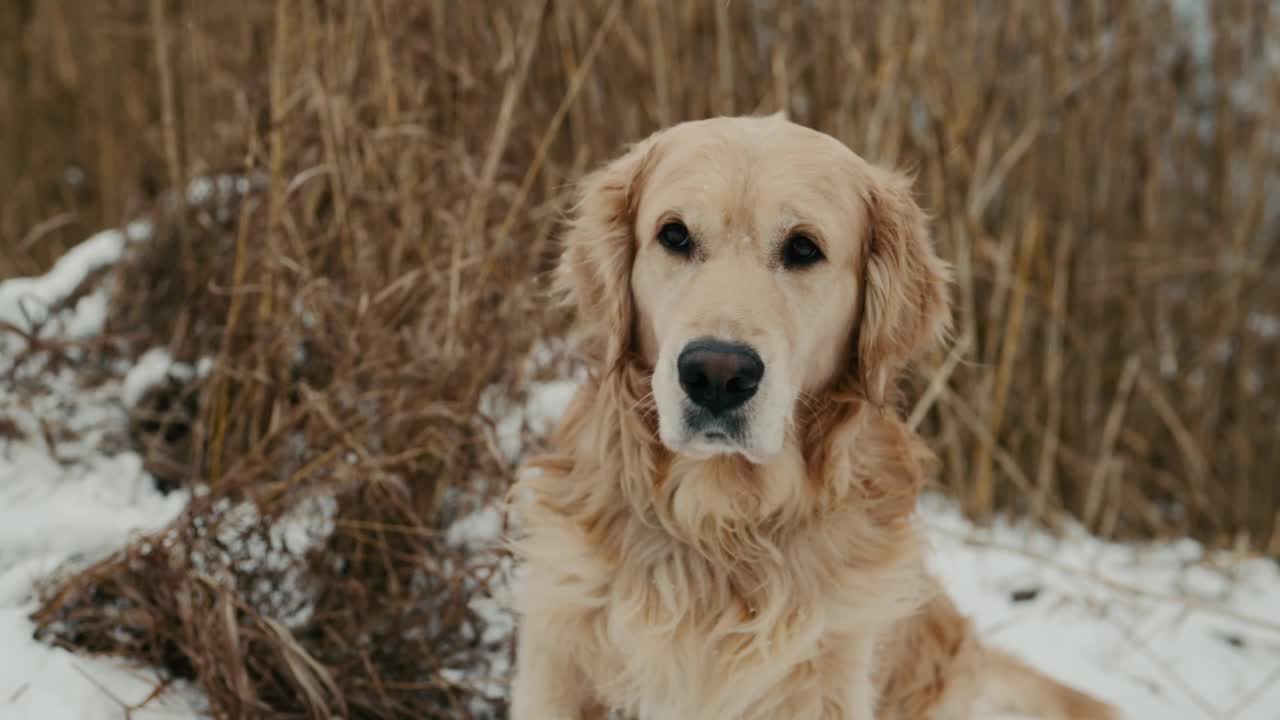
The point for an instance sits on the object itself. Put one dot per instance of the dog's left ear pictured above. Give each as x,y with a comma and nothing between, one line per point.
594,272
905,306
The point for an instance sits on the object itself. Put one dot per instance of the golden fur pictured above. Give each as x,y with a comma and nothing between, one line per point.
669,577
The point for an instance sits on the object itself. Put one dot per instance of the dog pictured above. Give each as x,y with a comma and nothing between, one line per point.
722,527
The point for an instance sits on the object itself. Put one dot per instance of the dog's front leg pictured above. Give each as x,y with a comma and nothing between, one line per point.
548,684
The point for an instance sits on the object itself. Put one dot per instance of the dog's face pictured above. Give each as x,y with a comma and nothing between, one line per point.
745,280
750,262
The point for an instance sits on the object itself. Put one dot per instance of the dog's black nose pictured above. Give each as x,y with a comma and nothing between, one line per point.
719,376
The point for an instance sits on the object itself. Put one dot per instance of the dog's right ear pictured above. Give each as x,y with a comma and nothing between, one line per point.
599,247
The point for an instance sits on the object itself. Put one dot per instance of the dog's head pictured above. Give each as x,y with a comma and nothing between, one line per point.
751,263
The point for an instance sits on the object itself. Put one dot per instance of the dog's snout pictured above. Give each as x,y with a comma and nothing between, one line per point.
719,376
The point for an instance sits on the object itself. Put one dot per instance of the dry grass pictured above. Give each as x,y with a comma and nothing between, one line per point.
1110,207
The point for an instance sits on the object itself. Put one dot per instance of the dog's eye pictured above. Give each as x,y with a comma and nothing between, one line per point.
674,236
800,251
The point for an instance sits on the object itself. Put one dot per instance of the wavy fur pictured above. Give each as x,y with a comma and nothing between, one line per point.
668,586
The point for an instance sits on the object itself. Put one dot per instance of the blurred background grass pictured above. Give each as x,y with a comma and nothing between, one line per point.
1104,174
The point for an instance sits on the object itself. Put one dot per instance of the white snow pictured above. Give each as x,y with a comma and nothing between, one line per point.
153,368
1194,21
25,302
477,531
207,189
1165,631
41,683
1266,326
149,370
69,494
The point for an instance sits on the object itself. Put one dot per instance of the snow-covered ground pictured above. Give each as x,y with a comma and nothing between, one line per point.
70,491
1163,631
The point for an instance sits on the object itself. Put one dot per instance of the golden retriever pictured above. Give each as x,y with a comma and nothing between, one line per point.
723,528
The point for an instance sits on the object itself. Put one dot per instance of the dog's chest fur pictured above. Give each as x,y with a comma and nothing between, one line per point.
748,626
676,588
677,626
